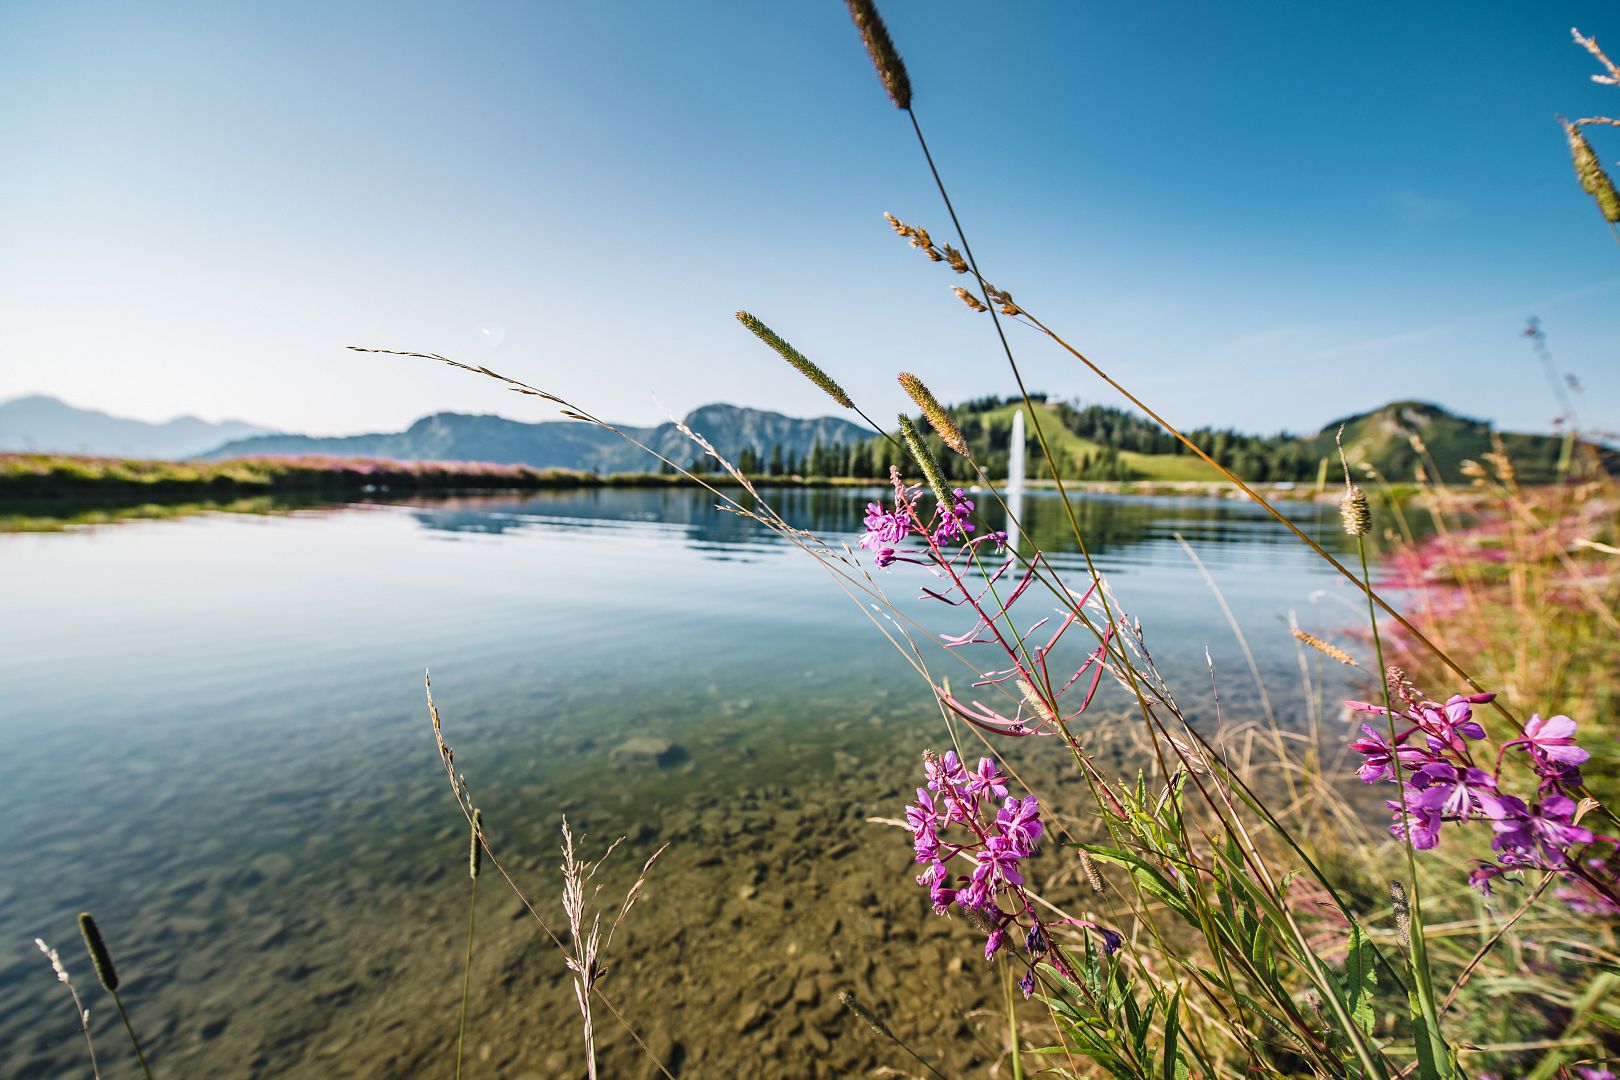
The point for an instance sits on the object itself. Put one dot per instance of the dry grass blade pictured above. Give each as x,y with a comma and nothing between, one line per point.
458,785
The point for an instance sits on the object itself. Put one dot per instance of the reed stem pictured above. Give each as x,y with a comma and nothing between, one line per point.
133,1041
466,974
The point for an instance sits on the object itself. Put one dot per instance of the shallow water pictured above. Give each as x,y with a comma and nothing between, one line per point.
218,743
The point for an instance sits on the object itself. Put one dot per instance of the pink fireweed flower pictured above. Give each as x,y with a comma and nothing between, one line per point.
885,529
1469,792
1374,746
995,867
1419,821
953,520
1537,836
923,820
996,839
1583,898
1454,721
1552,739
986,778
1019,820
945,771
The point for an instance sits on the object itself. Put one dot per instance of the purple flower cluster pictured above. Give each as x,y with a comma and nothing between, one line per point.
1441,781
953,521
969,815
944,537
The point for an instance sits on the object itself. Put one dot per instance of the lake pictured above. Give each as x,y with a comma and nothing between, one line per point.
218,743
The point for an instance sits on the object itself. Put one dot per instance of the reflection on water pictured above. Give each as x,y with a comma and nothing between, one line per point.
217,742
1110,523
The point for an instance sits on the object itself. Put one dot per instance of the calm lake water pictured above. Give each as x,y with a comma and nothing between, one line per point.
217,742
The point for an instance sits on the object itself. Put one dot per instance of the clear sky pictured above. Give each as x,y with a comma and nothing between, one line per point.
1260,214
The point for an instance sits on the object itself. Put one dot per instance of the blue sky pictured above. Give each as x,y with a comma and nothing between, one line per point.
1264,215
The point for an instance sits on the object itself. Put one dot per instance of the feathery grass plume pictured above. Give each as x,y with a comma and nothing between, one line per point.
78,1006
1403,912
1354,513
855,1005
475,852
1037,704
881,1030
1589,171
880,47
1093,876
100,958
924,458
1325,648
969,299
926,243
936,414
919,239
1591,46
583,954
796,358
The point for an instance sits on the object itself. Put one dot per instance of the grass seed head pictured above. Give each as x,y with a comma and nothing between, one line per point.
969,299
1354,512
1403,912
1093,876
100,958
475,852
1589,171
880,47
936,414
926,461
854,1005
1325,648
796,358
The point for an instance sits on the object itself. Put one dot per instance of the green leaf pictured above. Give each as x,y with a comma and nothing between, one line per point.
1360,978
1175,1064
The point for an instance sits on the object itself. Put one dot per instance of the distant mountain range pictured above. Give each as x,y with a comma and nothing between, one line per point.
568,444
1091,441
40,423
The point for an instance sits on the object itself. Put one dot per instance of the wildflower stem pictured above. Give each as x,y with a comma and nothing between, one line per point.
466,975
1012,1023
1421,992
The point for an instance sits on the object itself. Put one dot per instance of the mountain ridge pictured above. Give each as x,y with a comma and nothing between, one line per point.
1093,442
567,444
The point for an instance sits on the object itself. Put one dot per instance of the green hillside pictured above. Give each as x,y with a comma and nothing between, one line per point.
1095,442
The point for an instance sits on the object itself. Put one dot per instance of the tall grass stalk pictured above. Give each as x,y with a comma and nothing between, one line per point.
80,1013
107,974
475,860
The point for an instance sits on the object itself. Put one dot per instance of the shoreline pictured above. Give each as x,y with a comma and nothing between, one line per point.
38,482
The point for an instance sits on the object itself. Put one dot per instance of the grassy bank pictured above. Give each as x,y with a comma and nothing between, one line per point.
101,481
